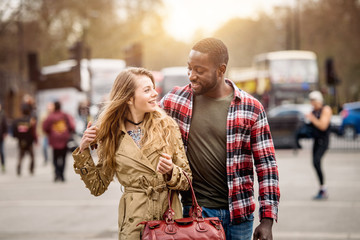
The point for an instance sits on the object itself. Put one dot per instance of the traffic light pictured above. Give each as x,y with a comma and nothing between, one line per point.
76,51
33,67
133,55
331,77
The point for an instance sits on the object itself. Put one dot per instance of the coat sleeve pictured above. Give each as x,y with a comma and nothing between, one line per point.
96,177
178,181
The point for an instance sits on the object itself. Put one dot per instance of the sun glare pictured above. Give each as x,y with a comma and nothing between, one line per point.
185,17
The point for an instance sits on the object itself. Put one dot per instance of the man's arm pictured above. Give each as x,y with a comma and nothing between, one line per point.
268,177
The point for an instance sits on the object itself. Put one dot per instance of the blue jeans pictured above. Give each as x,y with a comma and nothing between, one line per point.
242,231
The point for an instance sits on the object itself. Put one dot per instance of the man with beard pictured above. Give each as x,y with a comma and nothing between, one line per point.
225,133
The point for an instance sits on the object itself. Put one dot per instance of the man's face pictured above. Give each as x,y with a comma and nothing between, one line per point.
202,73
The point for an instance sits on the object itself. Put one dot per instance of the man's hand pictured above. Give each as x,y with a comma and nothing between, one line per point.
264,230
88,137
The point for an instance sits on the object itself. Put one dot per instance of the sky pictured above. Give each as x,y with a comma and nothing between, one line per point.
185,17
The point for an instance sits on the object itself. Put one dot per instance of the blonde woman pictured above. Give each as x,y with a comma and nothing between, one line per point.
140,145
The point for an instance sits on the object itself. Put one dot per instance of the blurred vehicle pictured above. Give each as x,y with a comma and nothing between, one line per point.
335,124
284,122
350,126
279,76
173,76
158,77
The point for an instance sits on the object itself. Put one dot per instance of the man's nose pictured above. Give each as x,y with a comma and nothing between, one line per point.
192,75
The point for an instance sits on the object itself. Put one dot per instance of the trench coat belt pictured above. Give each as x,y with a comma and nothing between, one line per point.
152,192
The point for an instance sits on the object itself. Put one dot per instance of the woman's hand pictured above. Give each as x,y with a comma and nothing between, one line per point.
165,165
88,136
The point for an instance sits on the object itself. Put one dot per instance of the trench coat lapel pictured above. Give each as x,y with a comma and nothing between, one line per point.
128,148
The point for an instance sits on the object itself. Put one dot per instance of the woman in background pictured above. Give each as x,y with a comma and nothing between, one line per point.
320,119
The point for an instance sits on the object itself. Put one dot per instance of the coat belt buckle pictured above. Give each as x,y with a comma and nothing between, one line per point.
83,171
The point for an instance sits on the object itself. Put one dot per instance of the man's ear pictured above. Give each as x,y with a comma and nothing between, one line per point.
222,70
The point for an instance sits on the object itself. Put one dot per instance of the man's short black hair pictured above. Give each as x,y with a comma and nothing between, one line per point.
215,48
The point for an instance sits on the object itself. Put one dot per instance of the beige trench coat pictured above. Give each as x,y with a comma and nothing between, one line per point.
145,190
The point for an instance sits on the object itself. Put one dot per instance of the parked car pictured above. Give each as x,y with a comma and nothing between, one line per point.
284,122
158,77
350,114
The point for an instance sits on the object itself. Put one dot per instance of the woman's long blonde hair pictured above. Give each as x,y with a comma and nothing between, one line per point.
158,128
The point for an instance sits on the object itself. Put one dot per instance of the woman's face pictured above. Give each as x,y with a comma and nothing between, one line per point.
144,99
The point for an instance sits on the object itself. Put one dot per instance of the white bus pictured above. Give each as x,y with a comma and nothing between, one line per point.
285,76
96,79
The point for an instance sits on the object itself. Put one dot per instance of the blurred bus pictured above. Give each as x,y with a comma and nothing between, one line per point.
95,81
282,76
173,76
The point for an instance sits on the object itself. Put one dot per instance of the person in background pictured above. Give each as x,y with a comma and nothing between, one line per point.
225,133
84,113
140,145
45,140
3,133
320,120
59,127
24,129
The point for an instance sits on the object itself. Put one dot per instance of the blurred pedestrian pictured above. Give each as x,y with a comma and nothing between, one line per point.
3,133
84,113
42,134
320,121
226,134
59,126
139,144
24,129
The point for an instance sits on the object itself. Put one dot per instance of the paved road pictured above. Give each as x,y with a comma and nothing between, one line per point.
35,207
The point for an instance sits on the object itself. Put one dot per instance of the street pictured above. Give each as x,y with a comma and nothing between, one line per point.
35,207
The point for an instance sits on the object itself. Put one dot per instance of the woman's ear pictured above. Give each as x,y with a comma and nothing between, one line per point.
131,101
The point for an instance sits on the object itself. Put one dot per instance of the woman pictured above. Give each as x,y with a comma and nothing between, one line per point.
320,119
139,144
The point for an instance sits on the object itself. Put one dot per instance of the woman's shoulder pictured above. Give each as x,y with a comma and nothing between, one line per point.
327,109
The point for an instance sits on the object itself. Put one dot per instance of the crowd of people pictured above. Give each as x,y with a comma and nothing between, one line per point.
52,130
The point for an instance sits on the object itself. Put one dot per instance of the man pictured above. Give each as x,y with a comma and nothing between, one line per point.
320,119
225,132
59,126
24,129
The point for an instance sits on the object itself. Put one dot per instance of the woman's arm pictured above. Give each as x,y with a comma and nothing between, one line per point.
177,180
96,177
324,121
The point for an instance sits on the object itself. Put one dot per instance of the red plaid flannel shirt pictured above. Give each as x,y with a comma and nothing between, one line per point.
249,143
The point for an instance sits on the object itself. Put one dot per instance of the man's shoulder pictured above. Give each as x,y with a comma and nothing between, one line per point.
177,95
180,91
247,99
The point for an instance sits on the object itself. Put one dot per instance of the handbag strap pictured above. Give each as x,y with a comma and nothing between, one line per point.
195,210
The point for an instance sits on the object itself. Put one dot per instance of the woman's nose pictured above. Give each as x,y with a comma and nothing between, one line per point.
155,93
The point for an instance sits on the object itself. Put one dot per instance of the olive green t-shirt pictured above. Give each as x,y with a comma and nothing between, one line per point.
206,151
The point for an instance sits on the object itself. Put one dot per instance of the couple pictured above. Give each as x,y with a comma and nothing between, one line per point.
221,130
